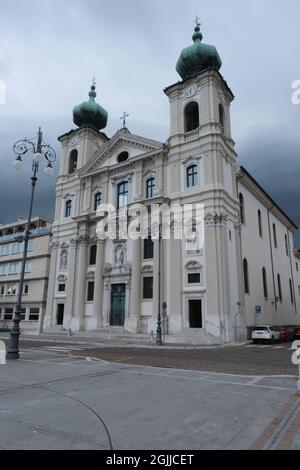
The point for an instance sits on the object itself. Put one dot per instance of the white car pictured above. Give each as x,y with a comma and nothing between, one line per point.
265,334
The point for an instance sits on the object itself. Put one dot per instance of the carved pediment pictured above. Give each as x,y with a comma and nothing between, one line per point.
191,265
120,139
147,269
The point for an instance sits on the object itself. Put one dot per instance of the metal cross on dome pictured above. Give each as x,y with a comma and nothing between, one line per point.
123,118
197,21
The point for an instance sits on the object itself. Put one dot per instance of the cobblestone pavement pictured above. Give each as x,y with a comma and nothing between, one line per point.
247,359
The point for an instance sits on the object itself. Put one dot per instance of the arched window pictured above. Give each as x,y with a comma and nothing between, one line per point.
97,201
191,176
93,254
260,229
275,235
191,116
286,245
265,284
73,161
279,287
150,188
122,157
68,210
246,276
122,194
221,117
291,291
242,208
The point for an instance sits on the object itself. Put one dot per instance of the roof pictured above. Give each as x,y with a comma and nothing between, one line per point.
72,131
269,197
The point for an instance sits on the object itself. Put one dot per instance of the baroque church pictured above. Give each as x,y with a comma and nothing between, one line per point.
247,271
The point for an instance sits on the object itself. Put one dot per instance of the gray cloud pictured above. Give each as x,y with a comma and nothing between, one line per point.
50,50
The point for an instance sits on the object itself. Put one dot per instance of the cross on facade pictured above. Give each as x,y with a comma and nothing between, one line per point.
94,83
123,118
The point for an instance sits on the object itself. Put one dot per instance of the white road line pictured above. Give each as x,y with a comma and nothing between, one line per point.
62,347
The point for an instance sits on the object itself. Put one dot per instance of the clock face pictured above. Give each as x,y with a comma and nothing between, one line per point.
190,91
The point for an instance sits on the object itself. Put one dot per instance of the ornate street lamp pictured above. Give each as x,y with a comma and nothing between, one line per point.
41,151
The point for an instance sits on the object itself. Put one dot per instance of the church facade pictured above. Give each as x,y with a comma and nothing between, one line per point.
246,272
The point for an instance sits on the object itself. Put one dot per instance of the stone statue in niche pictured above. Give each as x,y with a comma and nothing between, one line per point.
63,260
119,255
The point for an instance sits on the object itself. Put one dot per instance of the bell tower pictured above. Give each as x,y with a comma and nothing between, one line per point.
200,103
201,169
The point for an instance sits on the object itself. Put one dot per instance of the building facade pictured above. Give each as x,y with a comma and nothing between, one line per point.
220,289
36,274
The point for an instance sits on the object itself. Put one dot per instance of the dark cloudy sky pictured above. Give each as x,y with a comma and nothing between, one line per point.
51,49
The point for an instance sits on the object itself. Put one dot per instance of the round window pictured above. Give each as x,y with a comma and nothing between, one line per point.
122,157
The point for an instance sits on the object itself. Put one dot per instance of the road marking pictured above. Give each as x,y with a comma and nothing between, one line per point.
61,348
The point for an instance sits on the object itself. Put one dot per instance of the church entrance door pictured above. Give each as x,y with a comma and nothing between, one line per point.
195,313
117,312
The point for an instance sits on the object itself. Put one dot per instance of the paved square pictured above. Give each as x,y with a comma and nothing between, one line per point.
51,401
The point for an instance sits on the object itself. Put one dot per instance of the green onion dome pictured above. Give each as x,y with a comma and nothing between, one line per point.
197,58
90,113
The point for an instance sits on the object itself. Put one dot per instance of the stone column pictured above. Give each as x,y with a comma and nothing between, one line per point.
80,293
69,305
135,297
217,275
49,319
156,300
99,284
173,271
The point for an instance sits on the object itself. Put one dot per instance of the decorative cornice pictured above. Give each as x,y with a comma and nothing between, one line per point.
215,220
83,240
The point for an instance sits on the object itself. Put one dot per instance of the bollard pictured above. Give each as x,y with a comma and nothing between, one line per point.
2,353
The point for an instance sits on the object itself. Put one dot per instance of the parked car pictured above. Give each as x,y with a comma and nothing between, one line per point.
296,333
285,335
263,334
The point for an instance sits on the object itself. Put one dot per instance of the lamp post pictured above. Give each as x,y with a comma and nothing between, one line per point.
158,328
40,152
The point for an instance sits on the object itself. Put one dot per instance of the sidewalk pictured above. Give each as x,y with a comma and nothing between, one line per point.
100,340
52,401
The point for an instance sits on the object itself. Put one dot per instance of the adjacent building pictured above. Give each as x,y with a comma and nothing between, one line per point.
247,271
36,275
